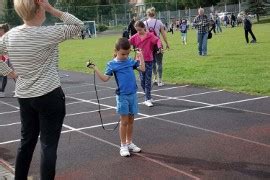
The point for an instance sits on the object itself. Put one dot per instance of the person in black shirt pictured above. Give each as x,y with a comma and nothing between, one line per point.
131,28
248,29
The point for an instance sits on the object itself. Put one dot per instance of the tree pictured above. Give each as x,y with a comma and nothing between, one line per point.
10,16
258,7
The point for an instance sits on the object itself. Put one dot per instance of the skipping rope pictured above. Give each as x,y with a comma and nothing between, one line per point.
89,64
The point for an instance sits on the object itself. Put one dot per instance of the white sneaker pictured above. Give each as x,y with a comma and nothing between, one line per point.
148,103
124,152
2,95
160,84
155,82
133,148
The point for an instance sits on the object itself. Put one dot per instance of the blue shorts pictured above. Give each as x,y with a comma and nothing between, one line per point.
127,104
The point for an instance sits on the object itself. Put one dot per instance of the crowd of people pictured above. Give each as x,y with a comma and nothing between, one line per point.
33,63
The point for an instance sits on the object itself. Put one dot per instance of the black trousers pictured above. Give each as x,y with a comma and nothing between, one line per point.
3,83
251,33
42,116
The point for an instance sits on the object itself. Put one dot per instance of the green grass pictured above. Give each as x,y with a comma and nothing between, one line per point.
231,64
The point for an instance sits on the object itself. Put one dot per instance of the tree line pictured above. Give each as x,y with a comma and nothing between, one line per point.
92,9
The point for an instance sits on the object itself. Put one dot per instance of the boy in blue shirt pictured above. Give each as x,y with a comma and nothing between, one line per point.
122,68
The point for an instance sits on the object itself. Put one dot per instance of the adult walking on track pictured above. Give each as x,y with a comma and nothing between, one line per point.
157,27
33,51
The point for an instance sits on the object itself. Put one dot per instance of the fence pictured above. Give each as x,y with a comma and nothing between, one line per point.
121,14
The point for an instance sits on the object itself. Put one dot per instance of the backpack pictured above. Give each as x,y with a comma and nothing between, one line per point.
152,30
209,35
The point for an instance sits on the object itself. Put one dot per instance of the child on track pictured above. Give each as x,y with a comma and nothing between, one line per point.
4,58
146,42
122,68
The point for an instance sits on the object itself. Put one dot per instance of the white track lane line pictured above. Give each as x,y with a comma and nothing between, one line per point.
153,116
141,155
8,104
9,112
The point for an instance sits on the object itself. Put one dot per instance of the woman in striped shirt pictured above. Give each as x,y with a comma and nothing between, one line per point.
33,51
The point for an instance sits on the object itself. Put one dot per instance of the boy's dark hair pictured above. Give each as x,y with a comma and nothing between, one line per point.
5,27
122,43
140,24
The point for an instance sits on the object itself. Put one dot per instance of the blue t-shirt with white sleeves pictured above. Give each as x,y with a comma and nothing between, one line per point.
123,71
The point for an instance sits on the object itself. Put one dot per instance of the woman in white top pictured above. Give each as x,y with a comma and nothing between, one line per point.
158,27
33,51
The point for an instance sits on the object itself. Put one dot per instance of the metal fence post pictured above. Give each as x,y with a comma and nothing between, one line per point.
189,15
115,17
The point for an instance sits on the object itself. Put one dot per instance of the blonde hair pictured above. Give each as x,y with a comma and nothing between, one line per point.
26,9
151,12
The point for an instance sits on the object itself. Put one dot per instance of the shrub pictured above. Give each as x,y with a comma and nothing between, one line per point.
101,28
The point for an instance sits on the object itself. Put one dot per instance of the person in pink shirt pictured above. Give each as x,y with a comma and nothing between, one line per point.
146,41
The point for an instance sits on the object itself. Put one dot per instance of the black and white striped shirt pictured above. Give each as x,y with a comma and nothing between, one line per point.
33,52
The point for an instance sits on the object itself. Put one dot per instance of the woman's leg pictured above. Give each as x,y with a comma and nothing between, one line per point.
155,66
159,58
29,137
52,111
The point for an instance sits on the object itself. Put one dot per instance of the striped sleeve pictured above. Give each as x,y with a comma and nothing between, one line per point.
72,26
59,33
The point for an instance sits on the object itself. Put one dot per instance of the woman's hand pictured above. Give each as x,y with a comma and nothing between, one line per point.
49,8
45,4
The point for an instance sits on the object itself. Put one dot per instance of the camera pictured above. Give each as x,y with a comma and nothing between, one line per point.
89,64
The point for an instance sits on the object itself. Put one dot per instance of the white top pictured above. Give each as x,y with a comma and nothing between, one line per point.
33,52
151,23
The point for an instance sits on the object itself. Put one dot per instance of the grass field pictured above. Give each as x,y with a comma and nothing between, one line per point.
231,64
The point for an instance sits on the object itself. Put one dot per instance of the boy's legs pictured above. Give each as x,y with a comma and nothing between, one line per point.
124,120
29,137
185,38
122,108
130,129
182,37
133,109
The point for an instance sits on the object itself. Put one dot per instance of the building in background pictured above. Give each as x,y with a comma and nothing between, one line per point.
139,7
